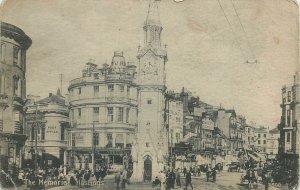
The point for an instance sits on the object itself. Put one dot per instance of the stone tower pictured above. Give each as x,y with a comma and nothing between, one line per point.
150,145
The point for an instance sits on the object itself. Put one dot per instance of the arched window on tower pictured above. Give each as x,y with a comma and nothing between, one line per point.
19,58
2,52
1,84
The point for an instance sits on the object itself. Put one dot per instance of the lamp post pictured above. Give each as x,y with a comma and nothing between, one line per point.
35,125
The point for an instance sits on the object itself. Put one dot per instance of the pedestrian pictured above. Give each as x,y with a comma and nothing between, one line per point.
188,180
266,181
177,175
184,171
199,171
162,178
207,174
214,174
118,179
172,178
124,176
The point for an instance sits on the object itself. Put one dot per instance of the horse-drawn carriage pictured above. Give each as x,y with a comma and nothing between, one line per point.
249,180
234,166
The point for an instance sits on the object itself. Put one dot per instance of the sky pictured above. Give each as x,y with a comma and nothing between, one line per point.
208,45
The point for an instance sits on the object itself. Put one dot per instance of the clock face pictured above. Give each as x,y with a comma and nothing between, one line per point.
149,70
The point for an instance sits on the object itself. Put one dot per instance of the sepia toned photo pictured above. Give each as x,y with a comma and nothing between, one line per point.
149,94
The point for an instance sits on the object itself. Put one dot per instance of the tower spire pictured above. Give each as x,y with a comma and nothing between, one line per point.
152,25
153,14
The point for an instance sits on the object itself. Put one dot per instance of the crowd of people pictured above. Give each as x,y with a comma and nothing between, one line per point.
122,178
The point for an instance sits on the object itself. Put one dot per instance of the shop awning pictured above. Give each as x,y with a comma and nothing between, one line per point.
188,136
119,138
201,160
219,159
253,157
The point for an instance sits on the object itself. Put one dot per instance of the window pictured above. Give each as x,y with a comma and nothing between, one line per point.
11,155
79,112
15,54
62,132
110,88
128,90
42,133
1,83
258,135
79,90
73,139
109,140
149,101
96,111
288,113
127,114
258,141
288,137
96,139
120,115
284,100
265,142
15,85
32,133
289,96
122,88
96,75
96,90
1,120
147,144
265,135
2,52
109,137
110,114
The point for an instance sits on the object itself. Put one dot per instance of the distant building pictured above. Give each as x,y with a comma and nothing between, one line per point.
53,119
13,47
249,136
103,113
260,139
174,117
272,143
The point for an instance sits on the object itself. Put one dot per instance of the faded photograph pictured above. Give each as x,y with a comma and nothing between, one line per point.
149,94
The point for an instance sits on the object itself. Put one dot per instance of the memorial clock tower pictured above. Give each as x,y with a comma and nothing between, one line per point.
150,146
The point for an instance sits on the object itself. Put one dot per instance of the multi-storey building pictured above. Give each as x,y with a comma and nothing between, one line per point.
289,132
13,47
249,136
53,119
174,114
260,139
226,122
103,113
272,143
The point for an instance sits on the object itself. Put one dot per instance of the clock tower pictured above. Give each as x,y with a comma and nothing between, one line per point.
150,145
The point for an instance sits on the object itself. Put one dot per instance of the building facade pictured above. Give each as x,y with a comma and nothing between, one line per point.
53,121
103,114
272,143
174,113
289,131
14,44
260,138
151,148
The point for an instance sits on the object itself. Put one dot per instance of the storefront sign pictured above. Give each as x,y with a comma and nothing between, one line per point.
52,130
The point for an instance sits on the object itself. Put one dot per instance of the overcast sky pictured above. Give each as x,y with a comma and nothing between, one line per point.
208,46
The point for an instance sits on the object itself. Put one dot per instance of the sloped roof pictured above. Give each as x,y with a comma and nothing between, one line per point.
52,99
